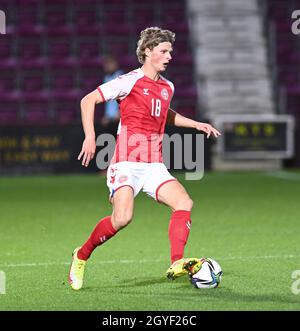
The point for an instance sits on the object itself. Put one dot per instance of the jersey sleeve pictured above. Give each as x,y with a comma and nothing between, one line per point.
118,88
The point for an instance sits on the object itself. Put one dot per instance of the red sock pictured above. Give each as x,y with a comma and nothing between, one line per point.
102,232
179,230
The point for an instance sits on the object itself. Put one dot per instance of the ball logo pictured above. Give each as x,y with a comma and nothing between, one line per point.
165,94
123,179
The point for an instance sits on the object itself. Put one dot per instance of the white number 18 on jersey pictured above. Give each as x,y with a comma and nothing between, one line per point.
155,107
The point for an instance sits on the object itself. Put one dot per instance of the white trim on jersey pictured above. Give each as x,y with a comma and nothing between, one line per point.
169,82
121,86
119,127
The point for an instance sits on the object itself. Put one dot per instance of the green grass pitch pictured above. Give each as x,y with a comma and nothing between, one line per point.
249,222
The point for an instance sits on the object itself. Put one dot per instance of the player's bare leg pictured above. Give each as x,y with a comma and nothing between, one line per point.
123,203
175,196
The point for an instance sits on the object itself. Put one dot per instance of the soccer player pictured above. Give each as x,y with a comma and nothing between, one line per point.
144,97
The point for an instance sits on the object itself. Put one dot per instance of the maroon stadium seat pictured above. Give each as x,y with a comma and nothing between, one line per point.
57,47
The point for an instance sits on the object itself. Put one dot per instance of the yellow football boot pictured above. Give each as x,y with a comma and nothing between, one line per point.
193,265
182,267
76,271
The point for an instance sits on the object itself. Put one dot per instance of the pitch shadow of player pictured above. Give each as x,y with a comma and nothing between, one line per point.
126,283
144,281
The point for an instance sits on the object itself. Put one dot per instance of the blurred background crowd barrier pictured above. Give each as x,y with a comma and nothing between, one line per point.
236,64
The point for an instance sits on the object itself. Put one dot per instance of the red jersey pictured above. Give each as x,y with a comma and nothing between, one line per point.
144,105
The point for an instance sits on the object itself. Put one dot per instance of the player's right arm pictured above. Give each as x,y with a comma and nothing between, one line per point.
115,89
87,106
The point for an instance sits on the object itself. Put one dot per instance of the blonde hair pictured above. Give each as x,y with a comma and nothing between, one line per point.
150,38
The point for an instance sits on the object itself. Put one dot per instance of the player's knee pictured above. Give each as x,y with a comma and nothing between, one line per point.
185,203
189,204
122,219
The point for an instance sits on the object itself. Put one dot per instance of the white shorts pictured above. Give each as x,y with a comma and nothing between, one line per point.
138,175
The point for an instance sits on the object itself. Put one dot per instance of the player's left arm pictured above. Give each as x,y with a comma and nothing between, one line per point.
176,119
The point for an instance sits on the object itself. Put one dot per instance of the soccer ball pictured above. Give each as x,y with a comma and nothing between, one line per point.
208,276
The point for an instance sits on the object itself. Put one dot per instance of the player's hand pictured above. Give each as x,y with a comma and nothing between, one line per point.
208,129
87,151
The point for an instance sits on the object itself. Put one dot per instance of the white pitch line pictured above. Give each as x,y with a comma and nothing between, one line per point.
42,264
228,258
265,257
